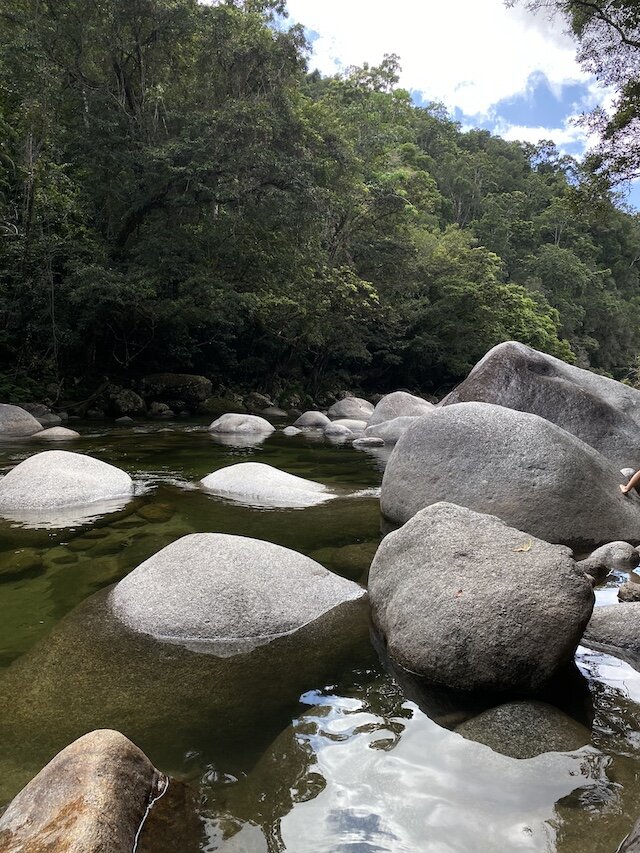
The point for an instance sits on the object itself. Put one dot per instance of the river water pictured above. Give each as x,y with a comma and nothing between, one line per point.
293,747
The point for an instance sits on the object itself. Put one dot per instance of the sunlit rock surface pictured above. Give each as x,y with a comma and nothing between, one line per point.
91,798
469,603
258,484
531,473
602,412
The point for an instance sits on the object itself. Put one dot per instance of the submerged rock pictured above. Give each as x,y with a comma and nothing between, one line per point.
59,478
600,411
390,431
235,423
57,433
525,729
128,680
520,467
15,421
354,408
472,604
91,798
291,430
312,420
399,404
258,484
230,590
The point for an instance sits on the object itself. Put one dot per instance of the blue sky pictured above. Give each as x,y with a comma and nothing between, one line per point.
506,70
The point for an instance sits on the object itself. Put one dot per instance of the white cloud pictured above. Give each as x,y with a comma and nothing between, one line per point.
468,54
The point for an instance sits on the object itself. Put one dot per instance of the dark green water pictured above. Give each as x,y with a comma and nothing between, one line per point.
295,747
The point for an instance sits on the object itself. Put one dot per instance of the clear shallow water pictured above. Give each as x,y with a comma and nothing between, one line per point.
295,747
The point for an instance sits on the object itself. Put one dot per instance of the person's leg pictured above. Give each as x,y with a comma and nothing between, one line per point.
633,482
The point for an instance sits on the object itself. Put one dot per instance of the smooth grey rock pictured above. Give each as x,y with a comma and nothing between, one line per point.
59,478
258,484
350,424
90,798
312,420
230,590
57,433
334,430
620,556
602,412
125,419
518,466
291,430
368,441
15,421
49,420
472,604
233,423
390,431
615,628
273,412
191,388
629,591
353,408
525,729
399,404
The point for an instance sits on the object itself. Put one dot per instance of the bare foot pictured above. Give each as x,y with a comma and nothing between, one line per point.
624,489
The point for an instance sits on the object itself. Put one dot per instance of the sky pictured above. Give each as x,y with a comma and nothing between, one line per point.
506,70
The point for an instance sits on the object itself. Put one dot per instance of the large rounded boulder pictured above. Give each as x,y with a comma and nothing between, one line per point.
91,798
227,591
233,424
15,421
312,420
524,469
354,408
471,604
258,484
602,412
399,404
58,478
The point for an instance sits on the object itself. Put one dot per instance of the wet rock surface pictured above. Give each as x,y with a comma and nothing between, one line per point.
524,729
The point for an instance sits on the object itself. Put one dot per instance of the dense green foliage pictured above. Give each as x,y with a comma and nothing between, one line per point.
608,37
178,193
